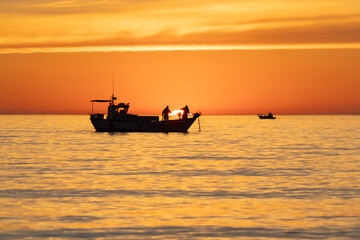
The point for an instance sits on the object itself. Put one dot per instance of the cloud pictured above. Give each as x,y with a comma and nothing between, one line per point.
67,7
108,23
49,7
313,34
292,20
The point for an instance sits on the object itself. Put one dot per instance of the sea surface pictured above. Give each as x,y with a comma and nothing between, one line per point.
296,177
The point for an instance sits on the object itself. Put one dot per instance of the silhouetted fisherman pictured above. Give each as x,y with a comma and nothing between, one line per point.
185,112
165,113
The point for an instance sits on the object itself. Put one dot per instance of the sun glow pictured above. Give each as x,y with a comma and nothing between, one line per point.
177,113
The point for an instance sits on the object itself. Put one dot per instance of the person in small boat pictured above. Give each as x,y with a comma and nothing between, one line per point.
165,113
185,112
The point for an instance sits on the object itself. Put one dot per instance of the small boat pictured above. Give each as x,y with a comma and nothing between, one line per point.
268,116
119,120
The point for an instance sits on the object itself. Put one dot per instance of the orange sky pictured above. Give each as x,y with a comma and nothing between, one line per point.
219,57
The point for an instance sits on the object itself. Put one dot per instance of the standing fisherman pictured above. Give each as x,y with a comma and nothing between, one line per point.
165,113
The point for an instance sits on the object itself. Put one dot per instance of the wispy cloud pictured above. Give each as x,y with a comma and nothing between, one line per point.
125,25
48,7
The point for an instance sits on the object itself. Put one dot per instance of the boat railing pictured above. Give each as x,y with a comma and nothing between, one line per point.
97,116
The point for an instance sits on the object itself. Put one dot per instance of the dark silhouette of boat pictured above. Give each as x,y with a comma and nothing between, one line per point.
268,116
119,120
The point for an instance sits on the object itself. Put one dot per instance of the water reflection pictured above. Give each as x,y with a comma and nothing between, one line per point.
185,232
295,177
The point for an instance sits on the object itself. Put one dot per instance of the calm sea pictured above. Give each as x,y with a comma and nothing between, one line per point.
240,177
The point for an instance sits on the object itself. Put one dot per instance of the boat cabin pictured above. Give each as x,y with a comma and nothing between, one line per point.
117,109
120,112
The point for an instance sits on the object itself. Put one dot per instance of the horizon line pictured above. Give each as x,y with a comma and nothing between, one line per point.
202,114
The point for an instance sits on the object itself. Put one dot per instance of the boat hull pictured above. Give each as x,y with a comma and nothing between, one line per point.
122,125
266,117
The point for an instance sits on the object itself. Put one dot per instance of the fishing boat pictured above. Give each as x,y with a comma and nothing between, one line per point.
119,120
268,116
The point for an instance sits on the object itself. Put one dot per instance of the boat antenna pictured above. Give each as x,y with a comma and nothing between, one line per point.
113,85
113,97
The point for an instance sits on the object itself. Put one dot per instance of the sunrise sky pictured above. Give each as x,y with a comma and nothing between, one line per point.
218,57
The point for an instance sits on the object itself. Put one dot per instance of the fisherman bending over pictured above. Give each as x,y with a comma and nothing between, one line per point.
185,112
165,113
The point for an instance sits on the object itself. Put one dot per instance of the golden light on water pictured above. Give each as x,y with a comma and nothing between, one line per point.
239,177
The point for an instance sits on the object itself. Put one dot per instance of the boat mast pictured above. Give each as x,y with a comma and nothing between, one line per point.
113,87
113,96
